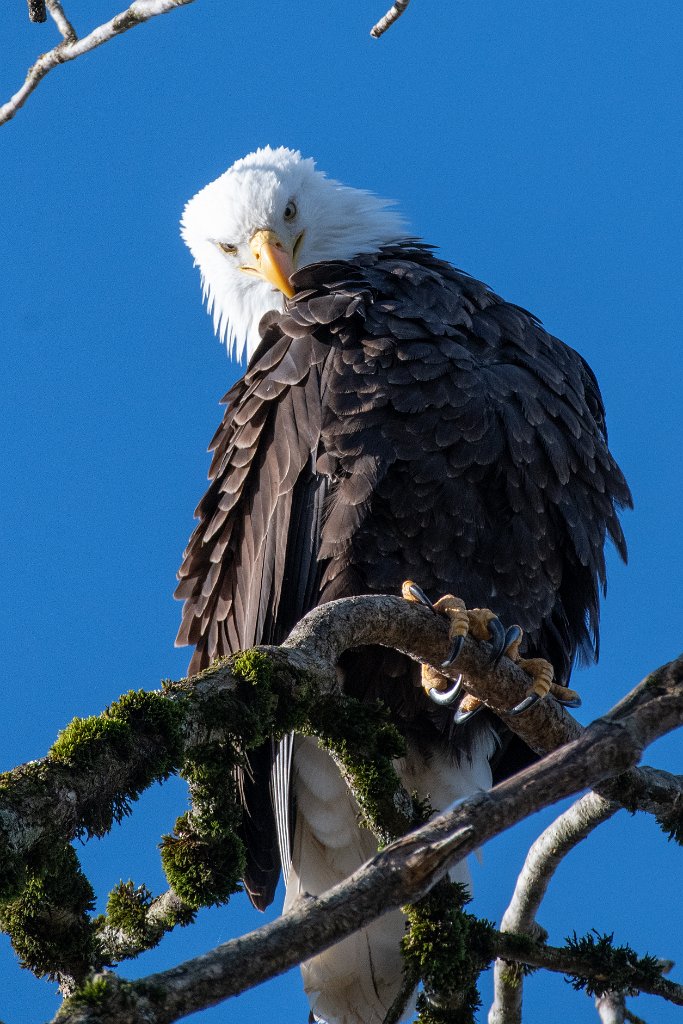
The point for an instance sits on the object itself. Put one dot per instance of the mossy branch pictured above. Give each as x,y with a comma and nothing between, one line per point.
407,869
593,964
98,766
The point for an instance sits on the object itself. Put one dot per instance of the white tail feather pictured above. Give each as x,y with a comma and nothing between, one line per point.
356,981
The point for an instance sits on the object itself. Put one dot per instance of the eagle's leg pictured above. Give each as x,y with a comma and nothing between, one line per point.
437,686
483,624
541,672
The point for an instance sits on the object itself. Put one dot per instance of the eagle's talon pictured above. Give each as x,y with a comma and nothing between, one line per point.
469,706
528,702
411,592
541,672
564,696
497,634
460,716
575,702
513,638
445,697
454,651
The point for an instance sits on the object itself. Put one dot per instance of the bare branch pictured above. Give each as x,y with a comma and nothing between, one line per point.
36,10
392,15
139,12
542,861
546,854
406,870
61,21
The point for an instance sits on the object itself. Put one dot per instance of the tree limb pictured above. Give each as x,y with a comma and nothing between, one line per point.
49,799
71,47
335,627
543,859
405,871
567,961
99,765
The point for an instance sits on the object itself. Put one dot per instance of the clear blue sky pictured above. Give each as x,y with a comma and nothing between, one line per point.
538,144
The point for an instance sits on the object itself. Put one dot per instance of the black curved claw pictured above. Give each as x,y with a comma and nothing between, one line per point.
512,633
498,635
460,717
419,595
454,651
445,697
575,702
527,703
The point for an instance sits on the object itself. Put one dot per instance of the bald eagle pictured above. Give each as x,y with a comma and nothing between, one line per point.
396,419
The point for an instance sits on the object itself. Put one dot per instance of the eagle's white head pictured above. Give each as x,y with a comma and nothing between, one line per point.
268,215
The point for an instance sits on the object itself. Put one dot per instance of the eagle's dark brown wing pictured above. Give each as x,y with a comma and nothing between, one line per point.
250,570
458,444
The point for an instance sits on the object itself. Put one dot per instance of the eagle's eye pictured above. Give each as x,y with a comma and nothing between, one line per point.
290,210
226,247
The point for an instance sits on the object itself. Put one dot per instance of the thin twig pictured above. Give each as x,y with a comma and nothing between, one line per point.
61,21
36,10
137,14
392,15
543,859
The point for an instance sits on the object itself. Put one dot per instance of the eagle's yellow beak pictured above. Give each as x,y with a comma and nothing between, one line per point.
272,261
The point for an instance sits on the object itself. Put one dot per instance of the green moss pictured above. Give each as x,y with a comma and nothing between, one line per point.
253,667
48,921
245,716
205,858
105,996
12,873
136,715
94,992
139,721
203,863
127,910
447,948
82,743
612,968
